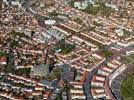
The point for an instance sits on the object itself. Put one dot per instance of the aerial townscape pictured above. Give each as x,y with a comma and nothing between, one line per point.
66,49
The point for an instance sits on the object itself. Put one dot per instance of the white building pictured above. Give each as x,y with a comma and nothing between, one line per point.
80,5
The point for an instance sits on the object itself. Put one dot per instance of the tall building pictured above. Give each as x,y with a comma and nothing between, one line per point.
40,71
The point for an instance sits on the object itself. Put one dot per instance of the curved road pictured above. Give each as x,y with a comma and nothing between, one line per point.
86,86
94,71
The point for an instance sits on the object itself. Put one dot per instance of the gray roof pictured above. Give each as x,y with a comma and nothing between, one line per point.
46,82
41,70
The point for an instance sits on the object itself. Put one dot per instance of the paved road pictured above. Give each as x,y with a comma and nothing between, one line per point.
86,86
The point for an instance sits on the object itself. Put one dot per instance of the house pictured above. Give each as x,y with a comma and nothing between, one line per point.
3,60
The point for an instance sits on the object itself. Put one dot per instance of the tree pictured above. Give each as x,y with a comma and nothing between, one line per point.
106,11
92,9
59,96
2,54
56,72
22,71
78,20
8,68
65,47
71,3
107,53
53,14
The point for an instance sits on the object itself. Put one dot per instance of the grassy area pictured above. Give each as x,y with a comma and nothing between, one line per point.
56,72
96,8
125,59
126,33
92,9
132,56
65,47
128,59
79,21
127,88
106,11
2,54
8,68
22,71
107,53
15,34
127,85
53,14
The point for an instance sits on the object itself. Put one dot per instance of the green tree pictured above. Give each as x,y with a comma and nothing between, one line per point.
71,3
53,14
92,9
2,53
106,11
59,96
22,71
8,68
56,72
107,53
